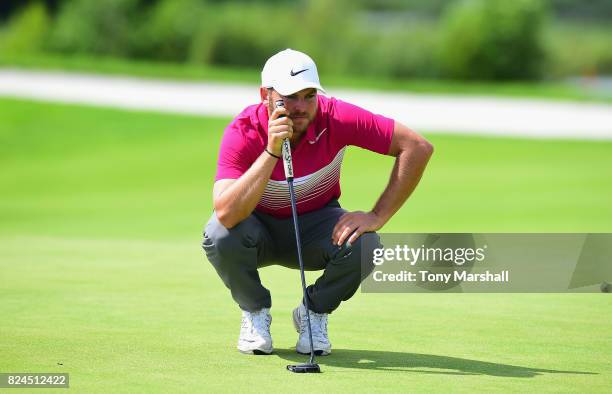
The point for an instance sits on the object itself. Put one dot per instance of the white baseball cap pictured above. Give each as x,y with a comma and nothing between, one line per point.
290,71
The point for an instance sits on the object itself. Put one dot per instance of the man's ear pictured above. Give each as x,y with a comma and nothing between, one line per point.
263,93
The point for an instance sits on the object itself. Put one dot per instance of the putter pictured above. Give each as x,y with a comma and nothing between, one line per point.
311,366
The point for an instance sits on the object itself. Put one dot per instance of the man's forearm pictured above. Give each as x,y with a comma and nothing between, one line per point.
406,174
238,201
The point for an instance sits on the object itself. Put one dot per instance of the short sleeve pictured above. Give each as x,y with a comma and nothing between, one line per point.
362,128
234,158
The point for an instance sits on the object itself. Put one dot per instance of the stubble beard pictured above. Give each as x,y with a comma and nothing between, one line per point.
302,128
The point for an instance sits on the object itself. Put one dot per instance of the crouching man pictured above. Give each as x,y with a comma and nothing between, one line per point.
252,227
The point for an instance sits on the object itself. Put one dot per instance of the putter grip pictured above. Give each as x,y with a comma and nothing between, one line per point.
286,149
287,161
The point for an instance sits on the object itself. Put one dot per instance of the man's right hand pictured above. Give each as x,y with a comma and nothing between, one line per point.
280,126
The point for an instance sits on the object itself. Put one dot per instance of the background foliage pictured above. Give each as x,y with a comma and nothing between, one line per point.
450,39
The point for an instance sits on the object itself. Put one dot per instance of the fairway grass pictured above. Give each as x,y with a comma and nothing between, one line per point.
102,275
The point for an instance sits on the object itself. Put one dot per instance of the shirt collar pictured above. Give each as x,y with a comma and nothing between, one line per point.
311,132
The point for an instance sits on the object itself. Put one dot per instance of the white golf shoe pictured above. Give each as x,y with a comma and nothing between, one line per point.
255,335
318,323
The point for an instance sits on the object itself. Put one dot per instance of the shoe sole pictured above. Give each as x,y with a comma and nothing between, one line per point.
296,325
256,352
316,352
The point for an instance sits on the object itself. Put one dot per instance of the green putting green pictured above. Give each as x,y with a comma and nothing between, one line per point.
102,275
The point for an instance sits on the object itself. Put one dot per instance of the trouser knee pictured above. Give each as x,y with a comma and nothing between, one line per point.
242,244
343,274
361,253
235,254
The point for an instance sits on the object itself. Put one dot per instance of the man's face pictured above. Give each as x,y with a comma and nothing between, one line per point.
302,107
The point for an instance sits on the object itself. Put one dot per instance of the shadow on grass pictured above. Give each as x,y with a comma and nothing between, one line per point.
417,363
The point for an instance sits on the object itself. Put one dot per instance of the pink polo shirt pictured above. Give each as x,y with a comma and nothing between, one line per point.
316,158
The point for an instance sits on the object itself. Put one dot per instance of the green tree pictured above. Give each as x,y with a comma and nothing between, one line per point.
26,31
493,39
98,27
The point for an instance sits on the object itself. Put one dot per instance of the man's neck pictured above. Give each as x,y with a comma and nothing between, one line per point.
295,140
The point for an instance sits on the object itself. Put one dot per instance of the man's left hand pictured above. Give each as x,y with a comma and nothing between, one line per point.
352,224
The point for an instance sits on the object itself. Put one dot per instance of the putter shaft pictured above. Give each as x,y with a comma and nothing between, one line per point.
288,164
299,252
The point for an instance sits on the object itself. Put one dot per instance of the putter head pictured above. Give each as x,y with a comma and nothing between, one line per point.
304,368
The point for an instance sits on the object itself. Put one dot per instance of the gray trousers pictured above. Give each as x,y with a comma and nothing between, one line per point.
262,240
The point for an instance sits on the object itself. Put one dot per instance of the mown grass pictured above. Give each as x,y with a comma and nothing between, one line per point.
103,277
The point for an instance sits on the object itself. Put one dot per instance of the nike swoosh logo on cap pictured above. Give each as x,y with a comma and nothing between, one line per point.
296,73
318,136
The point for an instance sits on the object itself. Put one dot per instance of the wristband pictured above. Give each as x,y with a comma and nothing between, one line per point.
271,154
